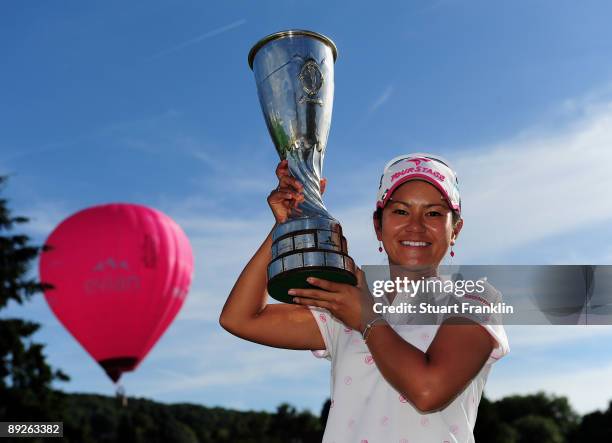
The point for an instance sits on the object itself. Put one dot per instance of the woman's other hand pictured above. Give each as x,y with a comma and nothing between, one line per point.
352,305
289,193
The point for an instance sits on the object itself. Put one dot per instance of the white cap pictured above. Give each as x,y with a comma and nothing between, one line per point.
420,166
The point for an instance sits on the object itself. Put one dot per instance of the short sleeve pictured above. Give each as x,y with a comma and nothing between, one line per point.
494,324
329,326
473,307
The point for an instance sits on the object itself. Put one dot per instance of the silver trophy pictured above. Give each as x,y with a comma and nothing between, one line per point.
294,71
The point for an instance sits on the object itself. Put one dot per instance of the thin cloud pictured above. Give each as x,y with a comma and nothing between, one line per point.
528,176
252,365
528,338
114,132
199,38
583,386
382,98
52,147
525,179
43,217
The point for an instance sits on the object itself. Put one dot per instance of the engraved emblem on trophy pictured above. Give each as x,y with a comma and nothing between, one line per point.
294,73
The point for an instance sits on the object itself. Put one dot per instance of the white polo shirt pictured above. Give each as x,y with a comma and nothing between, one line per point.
365,408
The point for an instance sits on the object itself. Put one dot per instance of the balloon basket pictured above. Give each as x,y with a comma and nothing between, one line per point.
120,395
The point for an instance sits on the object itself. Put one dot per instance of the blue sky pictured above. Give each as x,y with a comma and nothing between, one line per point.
153,103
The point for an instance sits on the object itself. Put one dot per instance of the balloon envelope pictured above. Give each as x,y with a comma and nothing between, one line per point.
119,275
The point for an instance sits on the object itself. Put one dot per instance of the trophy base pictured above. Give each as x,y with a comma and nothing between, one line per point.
308,247
296,279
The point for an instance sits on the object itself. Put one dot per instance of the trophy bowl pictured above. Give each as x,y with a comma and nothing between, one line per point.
294,73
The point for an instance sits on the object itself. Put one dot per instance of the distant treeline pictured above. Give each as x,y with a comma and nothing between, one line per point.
88,418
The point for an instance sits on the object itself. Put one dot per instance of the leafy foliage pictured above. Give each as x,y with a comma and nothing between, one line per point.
540,418
96,418
25,377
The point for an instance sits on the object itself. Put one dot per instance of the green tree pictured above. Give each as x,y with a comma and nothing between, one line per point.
537,429
25,377
490,428
540,404
325,413
290,426
595,427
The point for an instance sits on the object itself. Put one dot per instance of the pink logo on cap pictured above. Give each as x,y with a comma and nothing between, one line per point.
418,169
418,160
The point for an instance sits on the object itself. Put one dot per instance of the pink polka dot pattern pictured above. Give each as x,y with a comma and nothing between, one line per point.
424,421
384,421
368,359
404,440
364,441
425,336
356,341
454,429
348,380
402,399
323,318
348,330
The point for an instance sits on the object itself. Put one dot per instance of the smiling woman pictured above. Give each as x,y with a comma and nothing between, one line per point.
416,202
391,382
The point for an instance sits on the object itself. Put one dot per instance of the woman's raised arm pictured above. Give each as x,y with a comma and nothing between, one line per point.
247,313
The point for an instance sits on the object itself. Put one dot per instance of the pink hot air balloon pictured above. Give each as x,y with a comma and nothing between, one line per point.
120,274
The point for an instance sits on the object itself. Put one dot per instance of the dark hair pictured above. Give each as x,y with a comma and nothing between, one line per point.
379,211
